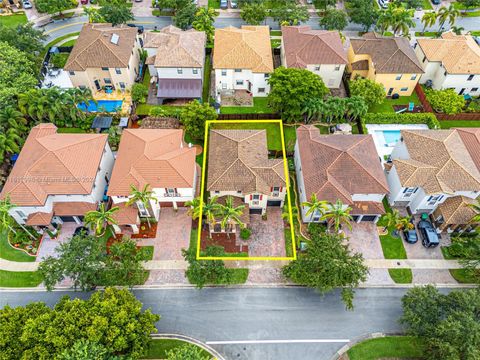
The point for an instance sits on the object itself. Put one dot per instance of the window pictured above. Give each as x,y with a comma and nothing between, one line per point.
404,89
432,200
266,76
414,77
317,67
71,72
107,81
474,89
179,71
399,77
337,67
424,58
275,191
408,192
224,72
445,73
122,85
21,214
195,71
141,209
171,192
224,86
118,71
239,82
239,191
470,77
217,192
238,70
105,68
256,197
261,90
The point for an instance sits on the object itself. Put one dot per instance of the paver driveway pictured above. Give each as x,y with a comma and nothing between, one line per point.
47,247
364,239
268,238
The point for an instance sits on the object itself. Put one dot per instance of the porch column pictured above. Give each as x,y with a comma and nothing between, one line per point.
359,218
175,207
376,219
117,229
135,228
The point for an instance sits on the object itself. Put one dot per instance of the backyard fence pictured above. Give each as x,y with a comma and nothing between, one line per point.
248,116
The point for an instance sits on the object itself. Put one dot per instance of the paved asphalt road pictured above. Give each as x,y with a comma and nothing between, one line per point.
63,27
258,315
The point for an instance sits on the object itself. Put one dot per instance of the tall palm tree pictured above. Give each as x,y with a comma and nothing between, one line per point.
429,19
457,30
144,197
209,209
338,214
449,14
397,18
355,107
229,215
391,219
5,218
316,206
193,208
98,220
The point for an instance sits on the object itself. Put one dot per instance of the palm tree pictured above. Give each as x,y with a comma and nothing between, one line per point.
193,208
404,224
5,218
99,219
429,19
144,197
316,206
209,209
457,30
449,14
338,214
355,107
396,17
204,19
229,215
476,208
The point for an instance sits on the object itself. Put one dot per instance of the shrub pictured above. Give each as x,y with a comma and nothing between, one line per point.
373,93
165,111
428,119
59,60
445,101
245,233
139,93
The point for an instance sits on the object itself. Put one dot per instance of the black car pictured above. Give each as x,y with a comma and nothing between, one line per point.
410,236
436,2
140,28
79,230
429,235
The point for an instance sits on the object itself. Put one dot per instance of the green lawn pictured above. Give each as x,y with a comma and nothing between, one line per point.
9,253
288,243
460,275
148,251
426,34
260,106
56,41
71,131
392,246
397,347
206,79
401,276
470,13
70,43
146,77
475,33
20,279
275,43
459,123
14,20
387,105
159,347
214,4
275,32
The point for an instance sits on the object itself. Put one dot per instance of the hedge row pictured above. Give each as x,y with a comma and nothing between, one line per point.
391,118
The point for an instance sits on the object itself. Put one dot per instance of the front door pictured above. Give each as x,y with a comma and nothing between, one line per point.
390,91
97,85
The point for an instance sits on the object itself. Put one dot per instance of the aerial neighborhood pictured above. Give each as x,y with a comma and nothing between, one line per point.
216,143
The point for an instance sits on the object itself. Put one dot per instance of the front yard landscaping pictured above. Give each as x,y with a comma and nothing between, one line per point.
388,103
14,20
260,106
7,252
461,275
20,278
159,347
395,347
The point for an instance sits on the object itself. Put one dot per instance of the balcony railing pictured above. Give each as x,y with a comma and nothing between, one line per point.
171,194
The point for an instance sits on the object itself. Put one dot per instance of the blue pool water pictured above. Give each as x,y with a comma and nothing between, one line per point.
391,136
102,105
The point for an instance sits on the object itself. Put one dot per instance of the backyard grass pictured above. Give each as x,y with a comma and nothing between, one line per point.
206,79
71,131
387,105
401,276
146,77
215,4
14,20
275,32
275,43
159,347
69,43
9,253
397,347
56,41
260,106
459,123
288,243
20,278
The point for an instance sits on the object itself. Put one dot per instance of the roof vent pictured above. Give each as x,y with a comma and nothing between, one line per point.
114,39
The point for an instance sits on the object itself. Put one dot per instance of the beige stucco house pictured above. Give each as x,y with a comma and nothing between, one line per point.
390,61
104,55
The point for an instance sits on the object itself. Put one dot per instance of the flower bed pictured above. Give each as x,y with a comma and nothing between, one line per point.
22,241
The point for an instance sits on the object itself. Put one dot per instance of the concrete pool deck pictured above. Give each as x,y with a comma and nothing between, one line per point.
384,149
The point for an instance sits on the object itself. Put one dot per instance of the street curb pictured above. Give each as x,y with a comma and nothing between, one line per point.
190,340
343,350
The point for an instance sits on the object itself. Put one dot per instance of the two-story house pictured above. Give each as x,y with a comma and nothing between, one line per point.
339,167
239,166
160,159
175,60
105,56
431,166
58,177
322,52
451,62
389,61
242,59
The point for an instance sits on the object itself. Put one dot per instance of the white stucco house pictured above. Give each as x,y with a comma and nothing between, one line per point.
450,62
320,51
58,177
242,59
176,61
160,159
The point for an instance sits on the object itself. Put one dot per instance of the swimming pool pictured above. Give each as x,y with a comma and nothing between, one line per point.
102,106
391,137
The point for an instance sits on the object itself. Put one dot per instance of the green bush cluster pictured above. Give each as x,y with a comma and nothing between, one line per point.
428,119
445,101
245,233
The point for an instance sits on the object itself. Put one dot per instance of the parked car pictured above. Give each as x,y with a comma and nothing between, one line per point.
410,236
27,4
233,4
436,2
429,235
140,28
81,229
138,0
84,2
223,4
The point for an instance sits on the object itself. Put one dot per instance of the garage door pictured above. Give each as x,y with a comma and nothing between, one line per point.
274,202
368,218
256,211
67,218
166,204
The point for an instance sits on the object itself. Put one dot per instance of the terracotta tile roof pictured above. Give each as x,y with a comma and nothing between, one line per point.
360,65
438,162
471,139
459,54
126,215
94,47
73,208
39,219
367,208
245,217
158,157
456,210
238,161
49,164
177,48
390,55
245,48
304,46
335,167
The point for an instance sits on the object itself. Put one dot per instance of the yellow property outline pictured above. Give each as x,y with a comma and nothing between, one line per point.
287,180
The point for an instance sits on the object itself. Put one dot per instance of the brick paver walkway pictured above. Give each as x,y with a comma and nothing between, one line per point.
268,237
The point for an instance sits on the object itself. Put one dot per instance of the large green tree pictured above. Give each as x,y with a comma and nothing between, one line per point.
468,4
449,324
373,93
253,13
115,12
397,19
193,117
467,249
87,350
291,88
25,38
445,101
328,264
290,14
334,19
185,15
113,319
363,12
204,20
54,6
